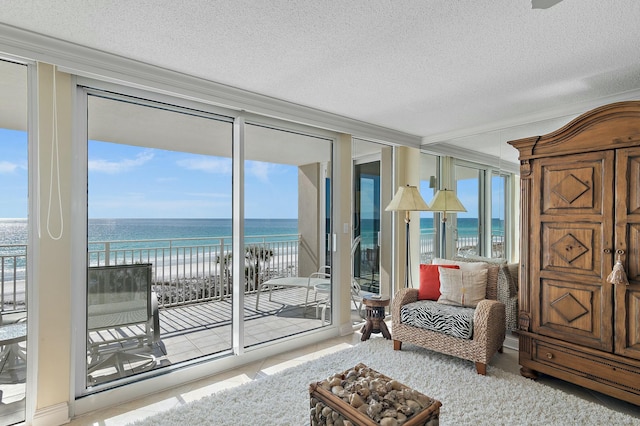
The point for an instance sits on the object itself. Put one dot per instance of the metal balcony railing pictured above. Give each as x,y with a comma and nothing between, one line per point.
13,277
467,245
188,270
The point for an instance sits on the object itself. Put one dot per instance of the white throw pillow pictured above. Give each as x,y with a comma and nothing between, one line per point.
462,288
465,266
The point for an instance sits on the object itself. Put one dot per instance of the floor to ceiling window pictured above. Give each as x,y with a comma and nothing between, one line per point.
162,235
469,184
159,233
14,225
287,279
371,235
483,229
499,190
366,230
429,231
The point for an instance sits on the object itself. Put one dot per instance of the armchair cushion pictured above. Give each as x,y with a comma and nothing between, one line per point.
453,321
430,281
462,288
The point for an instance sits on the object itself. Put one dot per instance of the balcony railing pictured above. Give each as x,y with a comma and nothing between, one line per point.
13,277
467,245
188,270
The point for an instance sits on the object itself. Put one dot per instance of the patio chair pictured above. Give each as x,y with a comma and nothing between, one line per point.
13,351
321,277
121,309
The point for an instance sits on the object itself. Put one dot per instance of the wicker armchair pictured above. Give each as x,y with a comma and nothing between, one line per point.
488,328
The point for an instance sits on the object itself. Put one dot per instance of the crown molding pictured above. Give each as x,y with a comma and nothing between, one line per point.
473,156
86,62
573,109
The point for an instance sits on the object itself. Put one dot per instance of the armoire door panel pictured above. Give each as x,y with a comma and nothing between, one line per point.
633,189
627,328
574,311
627,297
633,251
574,187
633,310
572,248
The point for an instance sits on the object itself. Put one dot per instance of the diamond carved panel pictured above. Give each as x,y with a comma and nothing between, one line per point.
569,248
568,307
570,188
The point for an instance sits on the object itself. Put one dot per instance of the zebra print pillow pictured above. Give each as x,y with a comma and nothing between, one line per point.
455,321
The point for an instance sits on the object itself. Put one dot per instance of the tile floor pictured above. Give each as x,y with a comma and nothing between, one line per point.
152,404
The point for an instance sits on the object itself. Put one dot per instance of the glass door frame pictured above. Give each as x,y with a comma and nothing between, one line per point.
377,213
84,400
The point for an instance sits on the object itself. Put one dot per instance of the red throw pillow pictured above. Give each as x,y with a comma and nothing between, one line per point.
430,281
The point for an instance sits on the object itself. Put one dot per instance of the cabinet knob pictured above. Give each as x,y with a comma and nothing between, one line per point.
607,251
549,355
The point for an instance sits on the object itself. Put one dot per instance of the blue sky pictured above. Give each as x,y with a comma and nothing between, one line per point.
130,181
134,182
13,174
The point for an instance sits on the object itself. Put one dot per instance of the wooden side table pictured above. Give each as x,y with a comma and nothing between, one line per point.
375,316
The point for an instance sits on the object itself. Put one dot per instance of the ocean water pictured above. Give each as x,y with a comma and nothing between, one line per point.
158,229
14,231
156,233
467,228
141,234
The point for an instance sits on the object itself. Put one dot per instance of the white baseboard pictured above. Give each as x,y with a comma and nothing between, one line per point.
346,328
53,415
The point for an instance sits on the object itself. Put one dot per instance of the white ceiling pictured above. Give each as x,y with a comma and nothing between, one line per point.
444,70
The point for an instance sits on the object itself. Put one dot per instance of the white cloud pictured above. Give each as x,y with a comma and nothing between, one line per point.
7,167
260,170
113,167
208,165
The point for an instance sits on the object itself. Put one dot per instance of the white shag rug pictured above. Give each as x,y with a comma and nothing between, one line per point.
499,398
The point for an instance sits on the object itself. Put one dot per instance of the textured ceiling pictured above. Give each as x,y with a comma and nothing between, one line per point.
432,68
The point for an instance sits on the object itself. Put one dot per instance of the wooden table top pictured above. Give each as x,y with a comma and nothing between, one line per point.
375,300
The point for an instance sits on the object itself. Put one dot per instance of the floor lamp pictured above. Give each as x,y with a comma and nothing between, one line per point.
407,199
445,201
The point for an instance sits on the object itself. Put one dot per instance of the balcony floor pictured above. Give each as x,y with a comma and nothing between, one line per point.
201,329
188,332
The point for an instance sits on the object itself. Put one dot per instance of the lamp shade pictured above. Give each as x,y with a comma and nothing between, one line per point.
407,198
445,201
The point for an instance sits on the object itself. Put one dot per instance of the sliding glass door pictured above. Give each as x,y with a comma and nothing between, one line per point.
163,242
14,240
366,230
159,233
287,281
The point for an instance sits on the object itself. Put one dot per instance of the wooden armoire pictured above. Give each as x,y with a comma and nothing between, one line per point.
580,213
